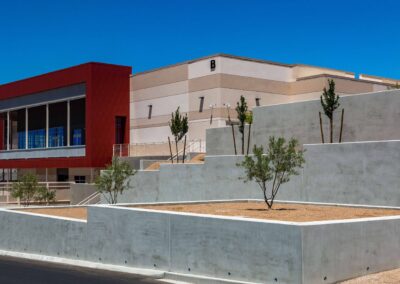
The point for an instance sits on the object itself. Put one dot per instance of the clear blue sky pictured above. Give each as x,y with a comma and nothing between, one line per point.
41,36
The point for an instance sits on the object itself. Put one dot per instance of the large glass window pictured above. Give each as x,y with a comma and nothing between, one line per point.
3,121
58,124
37,127
77,122
17,127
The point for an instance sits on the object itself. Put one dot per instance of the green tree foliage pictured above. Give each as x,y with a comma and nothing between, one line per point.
330,102
394,87
179,127
27,188
249,121
277,165
114,179
241,110
45,195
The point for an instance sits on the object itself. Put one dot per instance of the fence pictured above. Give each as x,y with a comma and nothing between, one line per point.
62,190
157,148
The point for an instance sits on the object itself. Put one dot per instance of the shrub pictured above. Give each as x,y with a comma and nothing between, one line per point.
114,179
278,164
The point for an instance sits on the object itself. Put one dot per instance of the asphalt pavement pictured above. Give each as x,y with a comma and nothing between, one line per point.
18,271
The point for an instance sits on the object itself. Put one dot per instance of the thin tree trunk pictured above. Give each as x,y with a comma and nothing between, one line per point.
234,140
341,126
243,139
184,151
331,130
248,140
177,153
321,129
170,150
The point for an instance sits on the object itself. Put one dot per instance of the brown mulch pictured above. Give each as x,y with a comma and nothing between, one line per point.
69,212
280,211
198,159
386,277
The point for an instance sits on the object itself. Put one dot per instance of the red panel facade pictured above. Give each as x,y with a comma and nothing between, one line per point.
107,96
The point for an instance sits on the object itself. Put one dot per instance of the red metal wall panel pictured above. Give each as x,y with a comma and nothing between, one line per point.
107,96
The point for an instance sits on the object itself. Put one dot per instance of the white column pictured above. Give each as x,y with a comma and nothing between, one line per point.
47,126
68,123
26,128
8,130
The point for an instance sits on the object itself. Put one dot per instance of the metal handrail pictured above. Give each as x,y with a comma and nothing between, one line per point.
6,188
89,198
125,150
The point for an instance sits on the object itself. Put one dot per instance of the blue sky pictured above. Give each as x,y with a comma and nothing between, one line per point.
41,36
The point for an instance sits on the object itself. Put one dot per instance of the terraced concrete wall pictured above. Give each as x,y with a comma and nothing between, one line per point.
368,117
357,173
229,248
337,250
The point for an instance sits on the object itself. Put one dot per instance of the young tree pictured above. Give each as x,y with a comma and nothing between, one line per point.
26,188
278,164
179,127
330,102
241,110
45,195
249,120
114,180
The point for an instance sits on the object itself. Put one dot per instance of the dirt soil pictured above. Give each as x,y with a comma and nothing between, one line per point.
198,159
387,277
70,212
280,211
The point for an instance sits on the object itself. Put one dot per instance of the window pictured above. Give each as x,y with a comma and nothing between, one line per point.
37,127
62,174
80,179
201,104
17,129
77,122
258,102
150,110
3,121
119,129
58,124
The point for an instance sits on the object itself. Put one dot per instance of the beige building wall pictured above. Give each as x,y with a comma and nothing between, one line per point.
183,85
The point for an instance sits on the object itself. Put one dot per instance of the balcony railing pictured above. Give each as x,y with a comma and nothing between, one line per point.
62,190
55,152
160,149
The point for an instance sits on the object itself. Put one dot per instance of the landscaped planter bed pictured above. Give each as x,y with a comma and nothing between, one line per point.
225,247
69,212
280,211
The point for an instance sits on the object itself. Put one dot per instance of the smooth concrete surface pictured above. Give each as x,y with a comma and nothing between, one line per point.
346,249
231,248
32,233
80,191
367,117
70,151
353,173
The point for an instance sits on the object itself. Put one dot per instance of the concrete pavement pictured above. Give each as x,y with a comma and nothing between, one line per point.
18,271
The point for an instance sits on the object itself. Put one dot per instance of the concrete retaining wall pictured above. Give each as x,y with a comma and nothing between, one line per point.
368,117
357,173
199,245
345,249
52,236
80,191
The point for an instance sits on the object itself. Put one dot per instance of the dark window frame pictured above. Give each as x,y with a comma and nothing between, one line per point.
201,106
150,111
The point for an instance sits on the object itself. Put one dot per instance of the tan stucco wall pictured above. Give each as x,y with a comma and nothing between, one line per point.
183,85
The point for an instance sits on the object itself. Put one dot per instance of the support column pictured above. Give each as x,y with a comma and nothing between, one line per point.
8,130
47,127
26,128
68,123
